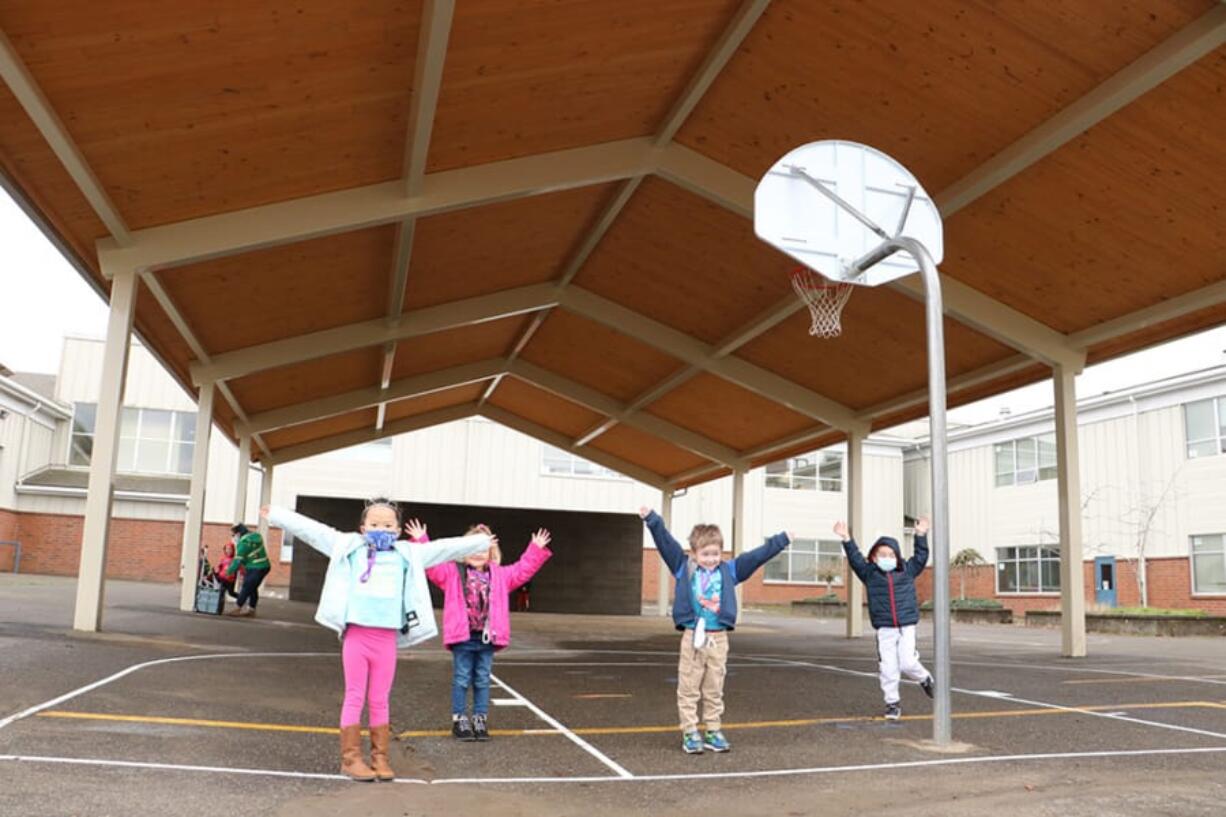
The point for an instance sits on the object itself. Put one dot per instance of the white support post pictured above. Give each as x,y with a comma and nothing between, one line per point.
265,499
192,526
665,577
856,521
1068,478
91,575
240,483
738,528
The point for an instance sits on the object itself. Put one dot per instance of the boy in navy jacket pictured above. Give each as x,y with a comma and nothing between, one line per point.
705,611
892,608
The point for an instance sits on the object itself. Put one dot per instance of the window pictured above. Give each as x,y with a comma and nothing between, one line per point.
1204,424
151,441
1021,462
822,470
807,561
1209,563
558,463
1028,569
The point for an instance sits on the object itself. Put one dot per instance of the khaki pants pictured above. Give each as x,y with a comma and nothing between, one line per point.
700,675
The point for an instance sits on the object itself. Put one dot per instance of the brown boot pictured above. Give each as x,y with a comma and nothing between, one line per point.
380,738
352,764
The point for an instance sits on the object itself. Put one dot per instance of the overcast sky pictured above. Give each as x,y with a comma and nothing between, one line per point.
42,299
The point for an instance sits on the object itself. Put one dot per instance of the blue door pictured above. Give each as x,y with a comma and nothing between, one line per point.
1104,580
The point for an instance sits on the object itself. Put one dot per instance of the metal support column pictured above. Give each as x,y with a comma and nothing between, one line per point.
240,484
738,528
859,530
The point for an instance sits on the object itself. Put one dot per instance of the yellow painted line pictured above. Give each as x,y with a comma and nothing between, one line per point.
1143,680
627,730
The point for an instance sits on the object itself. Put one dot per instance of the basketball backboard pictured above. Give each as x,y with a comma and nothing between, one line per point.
828,204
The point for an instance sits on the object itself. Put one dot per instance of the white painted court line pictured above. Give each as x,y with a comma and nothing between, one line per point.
1041,704
67,696
813,770
575,739
506,702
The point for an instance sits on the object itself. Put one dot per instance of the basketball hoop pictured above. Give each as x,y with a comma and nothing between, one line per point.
824,298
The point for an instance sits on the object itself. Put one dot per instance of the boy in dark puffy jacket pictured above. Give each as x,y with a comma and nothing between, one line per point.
893,608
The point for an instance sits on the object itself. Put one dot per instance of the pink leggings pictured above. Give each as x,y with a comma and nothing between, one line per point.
368,655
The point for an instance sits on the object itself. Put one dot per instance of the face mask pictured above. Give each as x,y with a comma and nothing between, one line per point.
887,563
380,539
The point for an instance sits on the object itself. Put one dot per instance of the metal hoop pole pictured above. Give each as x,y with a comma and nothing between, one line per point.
939,533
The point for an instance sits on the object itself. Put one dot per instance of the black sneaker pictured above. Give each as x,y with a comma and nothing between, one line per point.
479,730
927,685
893,712
462,728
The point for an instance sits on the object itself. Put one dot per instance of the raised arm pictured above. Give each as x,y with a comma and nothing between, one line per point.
748,562
453,549
915,565
316,534
530,561
859,565
668,547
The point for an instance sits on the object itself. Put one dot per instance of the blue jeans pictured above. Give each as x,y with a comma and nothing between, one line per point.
471,665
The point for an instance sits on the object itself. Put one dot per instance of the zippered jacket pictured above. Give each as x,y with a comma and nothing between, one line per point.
891,596
419,623
732,572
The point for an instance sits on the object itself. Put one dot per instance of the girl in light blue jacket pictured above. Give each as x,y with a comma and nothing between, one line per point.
376,599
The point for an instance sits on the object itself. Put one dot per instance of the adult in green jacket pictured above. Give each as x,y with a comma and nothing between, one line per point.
250,555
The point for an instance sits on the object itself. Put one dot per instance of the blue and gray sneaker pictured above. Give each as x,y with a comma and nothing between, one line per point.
716,742
691,742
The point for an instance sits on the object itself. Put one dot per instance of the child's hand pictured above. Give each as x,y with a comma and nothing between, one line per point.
921,526
791,536
644,512
541,538
840,530
264,512
415,529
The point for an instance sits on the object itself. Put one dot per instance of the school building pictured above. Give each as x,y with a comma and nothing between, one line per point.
46,442
1153,499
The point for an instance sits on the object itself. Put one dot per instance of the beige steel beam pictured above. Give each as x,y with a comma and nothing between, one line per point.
365,435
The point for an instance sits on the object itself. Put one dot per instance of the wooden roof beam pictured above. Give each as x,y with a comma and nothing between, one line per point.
602,404
367,435
44,117
561,441
702,356
313,345
269,225
403,389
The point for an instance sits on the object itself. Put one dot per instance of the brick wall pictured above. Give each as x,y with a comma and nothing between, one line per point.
8,532
1170,585
141,549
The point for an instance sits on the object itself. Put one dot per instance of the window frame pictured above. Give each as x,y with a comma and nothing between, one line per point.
1048,554
1204,594
181,432
1043,460
1217,412
834,550
792,477
600,473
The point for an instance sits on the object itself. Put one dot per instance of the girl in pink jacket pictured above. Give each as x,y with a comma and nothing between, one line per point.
477,619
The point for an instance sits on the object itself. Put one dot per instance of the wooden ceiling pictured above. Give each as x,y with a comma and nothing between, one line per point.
612,298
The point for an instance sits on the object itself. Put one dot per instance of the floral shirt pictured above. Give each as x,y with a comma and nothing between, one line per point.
477,598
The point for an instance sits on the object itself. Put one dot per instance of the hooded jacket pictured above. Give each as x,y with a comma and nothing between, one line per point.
419,624
731,573
504,580
891,596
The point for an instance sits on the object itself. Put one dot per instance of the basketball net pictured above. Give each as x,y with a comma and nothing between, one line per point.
825,300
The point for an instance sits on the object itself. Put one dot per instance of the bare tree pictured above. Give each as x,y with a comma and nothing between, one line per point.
1143,519
967,557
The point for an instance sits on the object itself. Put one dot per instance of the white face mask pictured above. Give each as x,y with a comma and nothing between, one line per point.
887,563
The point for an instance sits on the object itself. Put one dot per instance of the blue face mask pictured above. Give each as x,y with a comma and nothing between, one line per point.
380,539
887,563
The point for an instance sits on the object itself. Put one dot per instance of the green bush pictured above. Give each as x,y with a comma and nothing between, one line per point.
968,604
